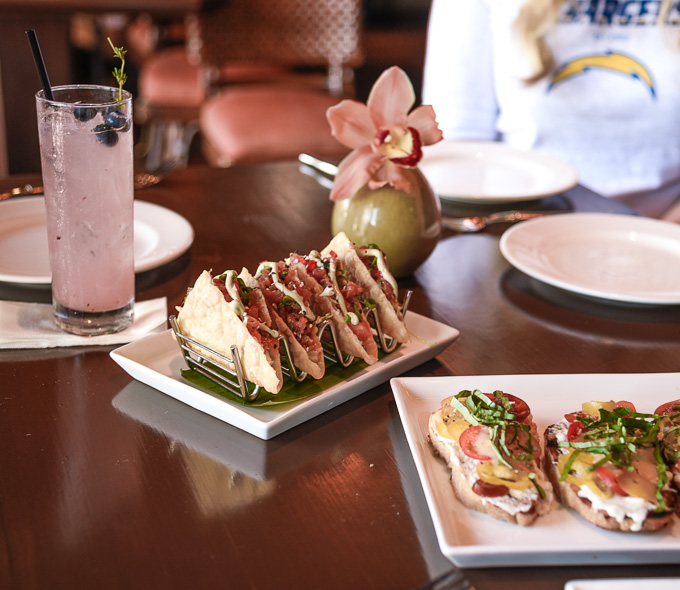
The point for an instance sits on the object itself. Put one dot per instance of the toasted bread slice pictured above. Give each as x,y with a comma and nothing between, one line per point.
528,493
617,494
669,437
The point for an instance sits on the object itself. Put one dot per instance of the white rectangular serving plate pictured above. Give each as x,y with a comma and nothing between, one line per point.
625,584
157,361
473,539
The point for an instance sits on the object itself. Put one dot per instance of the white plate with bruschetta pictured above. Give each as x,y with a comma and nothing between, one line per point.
474,539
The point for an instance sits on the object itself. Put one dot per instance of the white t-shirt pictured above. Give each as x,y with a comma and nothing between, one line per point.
610,107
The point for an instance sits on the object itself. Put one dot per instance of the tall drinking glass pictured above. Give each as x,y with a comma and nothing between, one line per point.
87,167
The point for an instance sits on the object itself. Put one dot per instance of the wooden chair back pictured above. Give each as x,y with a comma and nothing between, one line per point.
294,33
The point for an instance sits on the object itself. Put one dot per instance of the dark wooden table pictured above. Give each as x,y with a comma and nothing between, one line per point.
108,483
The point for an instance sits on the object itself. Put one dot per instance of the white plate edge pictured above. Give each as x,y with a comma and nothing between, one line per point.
510,257
306,409
148,209
562,168
623,584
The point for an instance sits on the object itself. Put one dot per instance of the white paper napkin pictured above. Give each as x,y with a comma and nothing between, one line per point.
30,325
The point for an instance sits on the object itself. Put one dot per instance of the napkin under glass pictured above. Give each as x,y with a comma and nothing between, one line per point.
31,325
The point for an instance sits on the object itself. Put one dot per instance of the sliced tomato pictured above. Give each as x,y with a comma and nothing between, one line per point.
318,273
575,429
351,291
668,407
609,479
387,290
362,330
468,443
489,490
625,404
519,407
573,416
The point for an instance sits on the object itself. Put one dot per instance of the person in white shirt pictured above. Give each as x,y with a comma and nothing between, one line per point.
595,83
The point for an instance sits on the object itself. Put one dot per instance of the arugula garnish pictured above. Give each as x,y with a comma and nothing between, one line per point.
368,303
288,300
504,430
539,489
618,435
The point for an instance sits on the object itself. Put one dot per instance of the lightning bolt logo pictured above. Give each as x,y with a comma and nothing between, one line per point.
610,60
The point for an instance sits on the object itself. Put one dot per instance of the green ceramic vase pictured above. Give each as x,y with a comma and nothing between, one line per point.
404,224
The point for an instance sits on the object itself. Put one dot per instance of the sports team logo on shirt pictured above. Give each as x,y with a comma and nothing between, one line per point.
622,13
612,61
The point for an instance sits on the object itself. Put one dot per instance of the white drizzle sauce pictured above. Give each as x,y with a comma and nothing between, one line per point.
334,288
272,266
237,305
382,267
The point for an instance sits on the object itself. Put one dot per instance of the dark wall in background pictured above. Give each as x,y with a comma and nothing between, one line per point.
394,34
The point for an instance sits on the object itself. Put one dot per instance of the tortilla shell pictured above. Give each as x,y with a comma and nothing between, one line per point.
391,319
207,318
348,340
310,362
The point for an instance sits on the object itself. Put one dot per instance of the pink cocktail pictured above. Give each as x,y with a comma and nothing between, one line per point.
86,143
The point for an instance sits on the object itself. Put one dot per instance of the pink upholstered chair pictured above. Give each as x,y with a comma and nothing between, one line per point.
317,42
261,73
173,84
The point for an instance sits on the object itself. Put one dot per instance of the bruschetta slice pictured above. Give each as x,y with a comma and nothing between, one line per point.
491,446
606,463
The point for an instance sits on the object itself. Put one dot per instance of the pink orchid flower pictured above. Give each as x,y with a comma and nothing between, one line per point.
383,135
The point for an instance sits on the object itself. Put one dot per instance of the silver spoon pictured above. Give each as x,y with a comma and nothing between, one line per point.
141,180
462,224
320,165
145,179
478,223
21,191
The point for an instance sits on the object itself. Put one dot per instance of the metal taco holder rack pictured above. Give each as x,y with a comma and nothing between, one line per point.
230,373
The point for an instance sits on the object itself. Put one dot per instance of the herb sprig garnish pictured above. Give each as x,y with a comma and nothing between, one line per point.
118,73
504,429
617,435
288,300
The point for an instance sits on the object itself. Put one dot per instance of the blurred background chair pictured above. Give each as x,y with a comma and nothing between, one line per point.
4,161
74,43
254,78
171,89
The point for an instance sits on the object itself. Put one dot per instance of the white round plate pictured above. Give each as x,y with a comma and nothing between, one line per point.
491,172
160,236
617,257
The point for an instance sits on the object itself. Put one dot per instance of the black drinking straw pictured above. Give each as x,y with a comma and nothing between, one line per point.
40,64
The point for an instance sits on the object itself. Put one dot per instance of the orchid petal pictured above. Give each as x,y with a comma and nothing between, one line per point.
423,119
355,171
351,123
391,98
389,174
